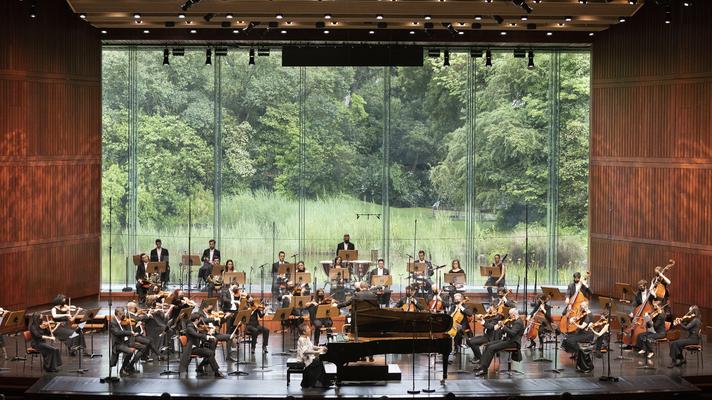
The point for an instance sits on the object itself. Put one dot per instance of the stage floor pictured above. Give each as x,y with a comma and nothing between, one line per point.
535,380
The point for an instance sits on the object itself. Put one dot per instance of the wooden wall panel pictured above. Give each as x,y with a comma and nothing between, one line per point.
50,154
651,153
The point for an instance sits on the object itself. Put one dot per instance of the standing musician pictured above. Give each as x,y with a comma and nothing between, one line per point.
277,279
424,278
211,255
42,333
123,343
488,321
542,314
147,333
497,282
346,244
692,324
512,329
253,325
65,315
570,344
578,285
318,299
655,324
408,302
384,295
143,281
161,254
641,295
198,344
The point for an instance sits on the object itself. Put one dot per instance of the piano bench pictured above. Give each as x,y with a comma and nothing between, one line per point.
294,366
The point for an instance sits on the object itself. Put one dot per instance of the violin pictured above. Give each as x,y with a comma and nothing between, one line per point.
504,322
685,318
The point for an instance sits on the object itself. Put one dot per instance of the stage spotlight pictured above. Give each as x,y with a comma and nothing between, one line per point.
181,16
379,17
165,56
428,18
83,16
279,16
687,3
478,18
228,16
568,19
33,10
208,57
488,58
327,16
530,54
498,19
252,57
137,16
621,19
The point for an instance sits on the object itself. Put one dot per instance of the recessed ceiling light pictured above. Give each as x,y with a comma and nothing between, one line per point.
621,19
181,16
461,23
146,31
228,16
412,32
512,24
371,32
193,31
326,31
103,32
590,34
461,32
503,33
138,21
279,16
415,22
283,32
334,22
561,24
289,22
524,18
379,16
235,31
428,18
137,15
549,33
327,16
478,18
568,19
83,16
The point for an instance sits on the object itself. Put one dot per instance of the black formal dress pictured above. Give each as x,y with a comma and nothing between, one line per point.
570,344
141,274
51,356
693,337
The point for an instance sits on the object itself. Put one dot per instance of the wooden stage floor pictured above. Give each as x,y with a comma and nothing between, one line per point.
536,379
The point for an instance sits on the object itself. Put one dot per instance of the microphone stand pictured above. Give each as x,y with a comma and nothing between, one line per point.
430,331
608,377
263,368
109,379
526,257
413,390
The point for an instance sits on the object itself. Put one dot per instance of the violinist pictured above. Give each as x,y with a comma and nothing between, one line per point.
253,325
42,336
655,324
494,281
146,331
575,287
65,315
142,278
214,322
305,290
199,344
179,303
318,299
601,333
570,344
408,302
122,342
542,313
692,324
488,321
215,283
512,330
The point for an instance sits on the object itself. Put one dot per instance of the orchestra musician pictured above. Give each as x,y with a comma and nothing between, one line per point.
253,325
179,302
338,263
314,374
497,282
570,344
655,324
408,302
575,287
601,333
214,322
230,303
459,307
3,350
346,244
65,315
122,343
148,334
512,329
215,283
305,289
488,321
161,254
229,266
277,279
424,278
211,255
692,324
384,296
665,281
455,267
318,299
436,303
42,334
542,311
199,344
142,278
361,293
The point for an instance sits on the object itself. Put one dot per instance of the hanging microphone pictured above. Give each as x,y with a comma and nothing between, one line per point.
294,255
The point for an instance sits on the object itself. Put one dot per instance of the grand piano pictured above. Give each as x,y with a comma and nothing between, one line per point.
382,331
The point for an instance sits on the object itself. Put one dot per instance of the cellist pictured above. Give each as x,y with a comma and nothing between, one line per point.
541,311
655,324
408,302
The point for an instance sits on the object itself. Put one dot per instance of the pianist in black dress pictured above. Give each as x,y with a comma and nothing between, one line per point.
41,336
314,374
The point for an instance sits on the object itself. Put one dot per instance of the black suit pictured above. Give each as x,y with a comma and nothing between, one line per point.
512,338
194,347
140,274
207,266
361,295
120,344
155,257
254,328
349,246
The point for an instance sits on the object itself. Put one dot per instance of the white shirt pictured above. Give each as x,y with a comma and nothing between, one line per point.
211,255
379,271
160,255
304,346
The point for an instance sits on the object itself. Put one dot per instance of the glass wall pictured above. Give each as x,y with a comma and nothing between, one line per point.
462,160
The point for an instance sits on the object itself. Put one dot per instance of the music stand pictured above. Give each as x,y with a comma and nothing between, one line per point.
553,292
624,321
217,270
348,255
282,314
90,315
455,278
299,301
554,295
494,272
210,301
15,322
336,274
326,311
189,261
623,290
416,267
381,280
301,277
287,269
242,317
156,267
238,278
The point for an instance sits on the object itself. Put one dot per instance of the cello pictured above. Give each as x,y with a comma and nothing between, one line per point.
574,310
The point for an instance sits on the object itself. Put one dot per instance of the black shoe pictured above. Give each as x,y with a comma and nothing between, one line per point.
219,374
124,372
480,372
264,349
252,350
531,345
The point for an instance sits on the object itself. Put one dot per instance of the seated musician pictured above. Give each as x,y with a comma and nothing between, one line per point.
3,350
692,324
384,294
502,300
211,256
346,244
66,316
488,321
146,332
214,283
655,324
458,306
42,337
601,334
179,302
436,303
314,374
206,315
512,329
142,279
229,266
303,286
161,254
318,299
229,304
121,343
338,263
578,285
541,311
199,344
253,325
455,267
408,302
570,344
493,281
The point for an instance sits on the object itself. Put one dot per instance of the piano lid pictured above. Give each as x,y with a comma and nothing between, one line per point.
372,321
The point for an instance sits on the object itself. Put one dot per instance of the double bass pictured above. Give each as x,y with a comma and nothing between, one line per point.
657,286
637,324
574,310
